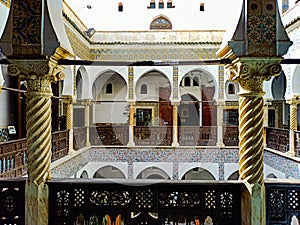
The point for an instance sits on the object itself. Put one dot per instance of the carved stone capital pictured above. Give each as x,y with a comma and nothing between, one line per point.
68,100
251,72
36,69
87,102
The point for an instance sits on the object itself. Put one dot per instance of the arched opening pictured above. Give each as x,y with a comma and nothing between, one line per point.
234,176
120,7
188,111
84,174
279,86
198,173
160,23
144,89
231,89
153,173
109,92
109,88
153,91
109,172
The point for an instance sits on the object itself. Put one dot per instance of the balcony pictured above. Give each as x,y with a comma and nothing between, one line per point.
13,153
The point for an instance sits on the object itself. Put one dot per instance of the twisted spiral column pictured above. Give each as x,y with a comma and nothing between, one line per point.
293,102
251,73
293,114
38,114
251,138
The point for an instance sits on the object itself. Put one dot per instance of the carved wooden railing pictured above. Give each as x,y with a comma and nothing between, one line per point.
231,135
13,158
79,137
13,154
92,201
12,196
197,136
153,136
136,202
282,202
277,139
297,143
109,135
60,144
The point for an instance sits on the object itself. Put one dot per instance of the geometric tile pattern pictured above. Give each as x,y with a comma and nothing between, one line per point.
169,155
261,28
132,155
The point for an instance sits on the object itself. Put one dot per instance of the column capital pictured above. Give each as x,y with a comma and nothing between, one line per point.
68,99
87,102
250,72
36,69
295,100
175,103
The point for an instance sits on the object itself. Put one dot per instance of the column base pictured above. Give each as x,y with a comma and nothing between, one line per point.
130,144
175,144
71,151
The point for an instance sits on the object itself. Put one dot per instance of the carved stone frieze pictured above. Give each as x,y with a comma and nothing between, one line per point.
251,73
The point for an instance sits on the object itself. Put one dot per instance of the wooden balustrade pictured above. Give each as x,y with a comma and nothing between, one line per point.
79,137
60,144
13,158
13,154
197,136
94,201
153,136
109,135
297,143
277,139
231,135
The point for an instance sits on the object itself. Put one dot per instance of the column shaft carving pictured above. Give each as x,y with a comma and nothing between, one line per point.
251,73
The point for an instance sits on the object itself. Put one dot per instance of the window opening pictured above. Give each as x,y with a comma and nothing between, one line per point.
143,117
187,81
108,89
202,7
152,5
161,5
144,89
169,4
231,117
160,23
120,7
231,89
196,81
